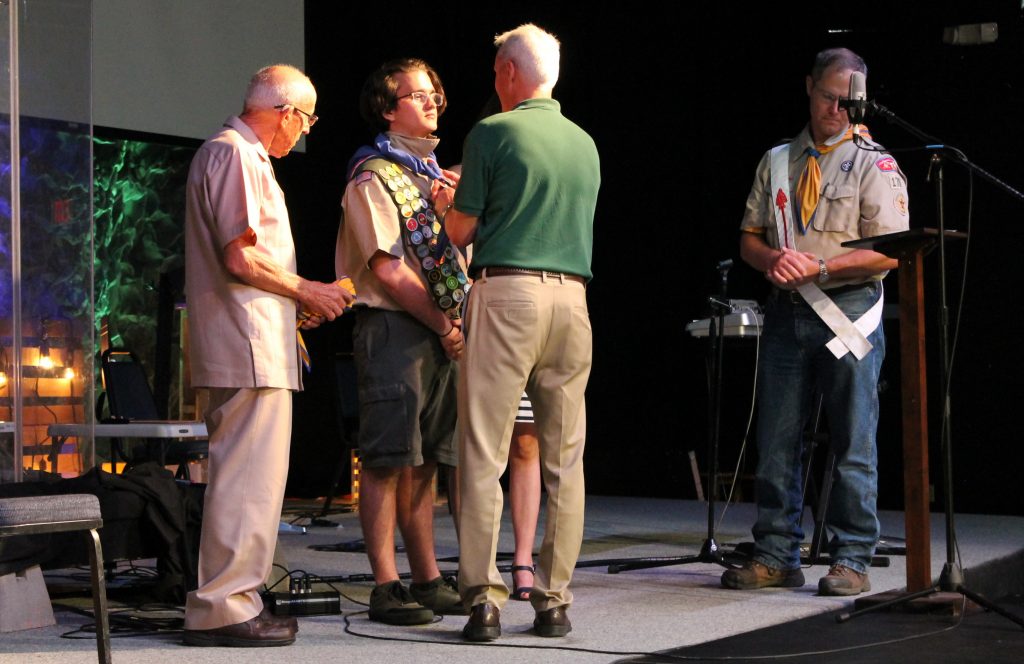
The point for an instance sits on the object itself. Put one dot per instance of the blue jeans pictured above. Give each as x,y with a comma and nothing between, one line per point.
795,366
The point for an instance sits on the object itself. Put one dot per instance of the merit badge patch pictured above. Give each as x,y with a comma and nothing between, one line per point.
886,164
846,166
900,203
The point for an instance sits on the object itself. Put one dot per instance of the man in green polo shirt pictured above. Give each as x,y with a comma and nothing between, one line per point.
526,201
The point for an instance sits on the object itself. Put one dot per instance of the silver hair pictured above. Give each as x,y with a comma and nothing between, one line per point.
269,88
840,58
534,52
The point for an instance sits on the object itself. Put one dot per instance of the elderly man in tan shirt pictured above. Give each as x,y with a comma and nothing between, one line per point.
242,291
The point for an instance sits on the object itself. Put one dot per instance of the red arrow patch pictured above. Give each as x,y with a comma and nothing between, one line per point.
780,202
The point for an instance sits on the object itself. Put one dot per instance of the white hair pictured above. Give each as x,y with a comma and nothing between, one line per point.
534,52
276,85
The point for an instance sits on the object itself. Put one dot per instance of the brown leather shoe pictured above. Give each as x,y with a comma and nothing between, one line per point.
755,575
484,623
253,633
290,621
842,580
553,622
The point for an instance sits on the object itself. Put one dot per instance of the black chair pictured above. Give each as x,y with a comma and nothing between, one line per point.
129,398
52,514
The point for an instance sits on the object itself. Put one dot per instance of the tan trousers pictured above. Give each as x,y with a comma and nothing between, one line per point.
533,333
250,433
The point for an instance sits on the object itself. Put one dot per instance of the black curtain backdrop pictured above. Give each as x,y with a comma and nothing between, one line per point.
682,102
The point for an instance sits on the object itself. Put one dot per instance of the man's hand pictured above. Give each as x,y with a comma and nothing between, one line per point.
791,269
453,342
442,195
309,321
323,300
452,175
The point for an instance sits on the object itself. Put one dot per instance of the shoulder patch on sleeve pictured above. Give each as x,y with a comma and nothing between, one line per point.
899,202
886,164
365,176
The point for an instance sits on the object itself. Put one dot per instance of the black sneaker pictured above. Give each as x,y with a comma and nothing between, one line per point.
392,604
440,596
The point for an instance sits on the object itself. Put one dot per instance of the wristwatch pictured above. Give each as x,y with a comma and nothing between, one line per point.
822,271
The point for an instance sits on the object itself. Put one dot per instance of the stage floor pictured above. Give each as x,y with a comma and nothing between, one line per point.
615,616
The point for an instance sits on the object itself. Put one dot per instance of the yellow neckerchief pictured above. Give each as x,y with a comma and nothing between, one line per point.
808,189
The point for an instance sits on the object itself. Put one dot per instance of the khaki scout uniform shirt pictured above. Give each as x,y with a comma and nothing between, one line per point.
863,194
240,336
370,223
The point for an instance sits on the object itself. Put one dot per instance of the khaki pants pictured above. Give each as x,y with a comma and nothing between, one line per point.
250,433
523,332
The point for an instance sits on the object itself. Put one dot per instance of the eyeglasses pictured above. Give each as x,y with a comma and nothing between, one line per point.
421,97
827,96
309,116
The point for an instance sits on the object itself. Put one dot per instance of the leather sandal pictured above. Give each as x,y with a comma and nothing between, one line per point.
522,593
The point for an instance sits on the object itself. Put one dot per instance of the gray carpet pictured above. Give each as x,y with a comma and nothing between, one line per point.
615,616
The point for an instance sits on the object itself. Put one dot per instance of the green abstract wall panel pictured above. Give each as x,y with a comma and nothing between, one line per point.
139,205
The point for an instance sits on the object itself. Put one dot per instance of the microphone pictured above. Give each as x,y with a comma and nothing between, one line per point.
857,104
723,271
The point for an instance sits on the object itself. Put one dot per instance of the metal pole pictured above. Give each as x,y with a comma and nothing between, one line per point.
16,366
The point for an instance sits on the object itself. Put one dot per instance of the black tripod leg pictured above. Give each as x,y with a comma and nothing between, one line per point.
981,600
335,482
821,510
843,617
823,492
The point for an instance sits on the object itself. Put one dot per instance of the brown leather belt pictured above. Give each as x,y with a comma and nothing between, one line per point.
521,271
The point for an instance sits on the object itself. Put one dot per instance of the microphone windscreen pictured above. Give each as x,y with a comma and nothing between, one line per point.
858,97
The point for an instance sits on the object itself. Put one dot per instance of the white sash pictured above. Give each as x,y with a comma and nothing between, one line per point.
850,337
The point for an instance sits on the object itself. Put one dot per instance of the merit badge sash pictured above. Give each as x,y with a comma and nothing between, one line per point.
422,229
850,337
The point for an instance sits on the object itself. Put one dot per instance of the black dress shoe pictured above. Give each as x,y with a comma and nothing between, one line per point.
484,623
253,633
553,622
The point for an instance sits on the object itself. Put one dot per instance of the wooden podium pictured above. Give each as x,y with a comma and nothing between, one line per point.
910,248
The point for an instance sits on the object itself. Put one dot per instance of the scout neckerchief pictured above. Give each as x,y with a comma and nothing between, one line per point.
808,189
382,147
422,227
850,337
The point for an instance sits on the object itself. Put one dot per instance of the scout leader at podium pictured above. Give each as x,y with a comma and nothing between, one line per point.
822,330
242,291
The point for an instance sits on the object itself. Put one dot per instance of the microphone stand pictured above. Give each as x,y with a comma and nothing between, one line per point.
710,552
951,580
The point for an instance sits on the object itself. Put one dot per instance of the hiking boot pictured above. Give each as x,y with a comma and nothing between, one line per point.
440,596
842,580
392,604
758,575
